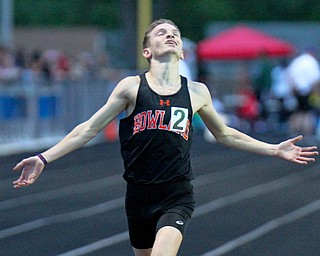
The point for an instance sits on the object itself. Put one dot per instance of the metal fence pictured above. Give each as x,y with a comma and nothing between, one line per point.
36,115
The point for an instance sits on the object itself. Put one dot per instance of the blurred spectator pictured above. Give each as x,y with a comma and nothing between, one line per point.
55,65
46,68
37,71
285,101
103,67
83,68
314,98
304,73
262,83
9,72
104,70
3,52
188,66
20,58
247,107
314,101
61,68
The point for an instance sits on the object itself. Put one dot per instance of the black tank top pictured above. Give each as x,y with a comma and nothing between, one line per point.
156,138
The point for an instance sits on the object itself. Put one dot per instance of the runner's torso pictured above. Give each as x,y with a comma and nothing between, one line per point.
156,137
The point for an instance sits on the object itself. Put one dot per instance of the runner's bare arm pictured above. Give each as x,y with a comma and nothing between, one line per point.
233,138
119,100
122,98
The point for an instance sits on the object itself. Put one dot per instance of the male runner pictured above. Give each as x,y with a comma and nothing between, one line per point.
155,139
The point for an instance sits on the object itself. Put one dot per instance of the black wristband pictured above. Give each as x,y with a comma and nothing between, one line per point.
42,159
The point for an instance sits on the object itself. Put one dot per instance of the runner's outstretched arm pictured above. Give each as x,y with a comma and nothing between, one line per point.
33,166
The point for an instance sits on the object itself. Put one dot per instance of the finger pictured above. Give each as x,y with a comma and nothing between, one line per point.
313,148
19,166
300,162
16,182
309,153
20,185
306,159
21,179
296,139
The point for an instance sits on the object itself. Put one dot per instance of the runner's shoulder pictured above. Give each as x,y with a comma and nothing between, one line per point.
197,88
130,81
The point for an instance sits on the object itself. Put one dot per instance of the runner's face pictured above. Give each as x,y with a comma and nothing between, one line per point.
165,38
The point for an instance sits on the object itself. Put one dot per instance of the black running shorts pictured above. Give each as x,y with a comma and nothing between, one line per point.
151,207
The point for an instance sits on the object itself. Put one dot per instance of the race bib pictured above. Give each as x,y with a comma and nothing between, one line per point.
179,119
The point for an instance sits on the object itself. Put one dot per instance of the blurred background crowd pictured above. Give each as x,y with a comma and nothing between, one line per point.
50,66
45,91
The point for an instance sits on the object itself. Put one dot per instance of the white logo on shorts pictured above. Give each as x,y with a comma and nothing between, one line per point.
179,222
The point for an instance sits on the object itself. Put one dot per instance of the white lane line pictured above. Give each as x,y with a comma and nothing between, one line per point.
82,188
98,245
61,192
231,172
64,217
203,209
108,181
265,228
116,203
247,194
256,191
73,189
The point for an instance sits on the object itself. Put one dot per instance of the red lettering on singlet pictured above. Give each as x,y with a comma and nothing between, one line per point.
161,126
136,123
152,119
146,119
143,124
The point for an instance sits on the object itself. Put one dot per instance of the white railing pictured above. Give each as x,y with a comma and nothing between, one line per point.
35,116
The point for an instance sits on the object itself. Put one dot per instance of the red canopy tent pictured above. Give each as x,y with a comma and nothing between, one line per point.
242,42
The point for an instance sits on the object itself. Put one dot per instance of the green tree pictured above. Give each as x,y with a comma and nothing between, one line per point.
190,15
67,13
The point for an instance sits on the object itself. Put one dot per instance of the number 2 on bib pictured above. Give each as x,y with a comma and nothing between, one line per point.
179,119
